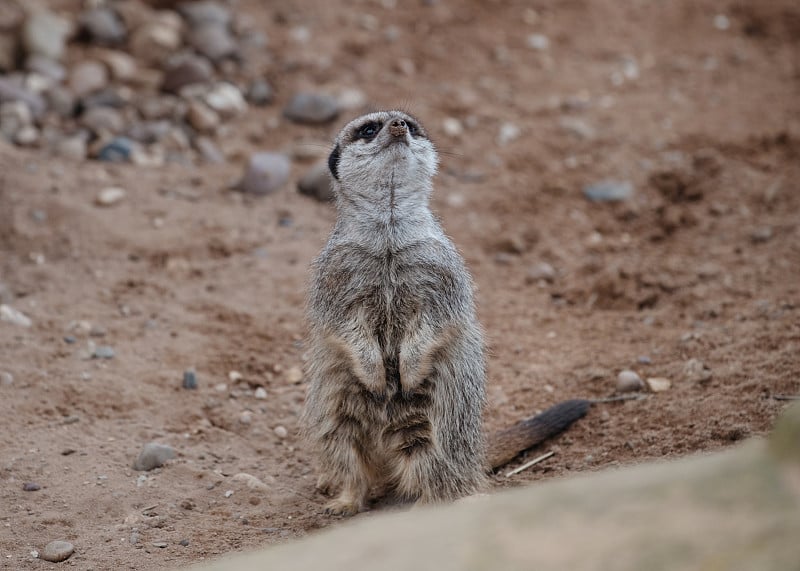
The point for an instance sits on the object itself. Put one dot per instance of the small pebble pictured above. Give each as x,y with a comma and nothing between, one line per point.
760,235
190,379
226,99
294,375
696,371
658,384
281,432
234,376
6,378
184,542
152,456
265,173
644,360
187,69
260,393
541,271
134,538
110,196
608,191
11,315
103,352
538,42
312,108
629,381
57,551
316,183
508,132
31,487
228,493
118,150
221,387
260,93
159,544
246,417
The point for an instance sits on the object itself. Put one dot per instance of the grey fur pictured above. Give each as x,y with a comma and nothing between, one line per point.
396,369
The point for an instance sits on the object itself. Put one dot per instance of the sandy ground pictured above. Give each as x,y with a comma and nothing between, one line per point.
702,262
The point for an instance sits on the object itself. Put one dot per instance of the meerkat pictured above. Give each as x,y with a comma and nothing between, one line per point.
396,366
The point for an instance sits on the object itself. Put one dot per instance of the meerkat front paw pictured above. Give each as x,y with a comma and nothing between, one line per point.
325,484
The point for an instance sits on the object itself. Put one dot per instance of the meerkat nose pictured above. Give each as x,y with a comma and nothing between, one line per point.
398,128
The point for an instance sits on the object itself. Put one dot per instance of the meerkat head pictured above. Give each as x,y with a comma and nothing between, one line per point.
381,153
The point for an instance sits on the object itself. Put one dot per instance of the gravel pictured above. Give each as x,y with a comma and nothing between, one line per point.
312,108
57,551
265,173
152,456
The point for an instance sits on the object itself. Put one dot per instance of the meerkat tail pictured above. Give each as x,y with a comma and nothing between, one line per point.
506,444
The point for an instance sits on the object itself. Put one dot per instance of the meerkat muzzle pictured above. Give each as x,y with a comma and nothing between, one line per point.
398,128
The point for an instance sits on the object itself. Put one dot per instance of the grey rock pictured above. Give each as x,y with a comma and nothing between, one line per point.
14,116
226,99
152,456
122,66
31,487
103,352
312,108
644,360
45,33
87,77
159,544
149,132
183,543
46,67
201,117
62,101
213,41
6,379
102,26
57,551
28,136
103,120
186,69
762,234
201,13
118,150
265,173
608,191
260,93
74,147
209,151
316,183
12,90
108,97
189,379
541,271
10,315
154,41
628,381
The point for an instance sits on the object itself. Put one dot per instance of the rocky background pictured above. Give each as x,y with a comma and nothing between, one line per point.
620,176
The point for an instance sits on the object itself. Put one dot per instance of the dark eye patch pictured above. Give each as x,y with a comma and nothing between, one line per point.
367,131
333,161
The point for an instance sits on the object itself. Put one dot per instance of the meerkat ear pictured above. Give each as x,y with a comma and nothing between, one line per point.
333,162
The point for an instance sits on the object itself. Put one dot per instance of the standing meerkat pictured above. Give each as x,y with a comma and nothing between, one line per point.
396,365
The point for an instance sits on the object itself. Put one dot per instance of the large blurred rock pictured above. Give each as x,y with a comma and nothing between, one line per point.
87,77
157,39
312,108
186,69
737,510
12,90
213,41
265,173
316,183
102,26
45,33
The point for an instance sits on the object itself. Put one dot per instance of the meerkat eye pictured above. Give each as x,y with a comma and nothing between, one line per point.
368,130
413,129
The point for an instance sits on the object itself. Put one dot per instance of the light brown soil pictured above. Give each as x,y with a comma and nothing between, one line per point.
703,262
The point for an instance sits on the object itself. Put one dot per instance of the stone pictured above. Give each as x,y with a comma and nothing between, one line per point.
112,96
213,41
541,271
316,183
122,66
62,101
294,375
265,173
201,117
312,108
761,234
73,147
87,77
45,33
260,93
118,150
281,432
208,150
152,456
10,315
260,393
154,41
226,99
103,121
205,12
189,380
103,352
14,115
508,133
31,487
102,26
538,42
658,384
28,136
11,90
110,196
629,381
608,191
149,132
57,551
577,127
186,69
6,379
250,481
45,67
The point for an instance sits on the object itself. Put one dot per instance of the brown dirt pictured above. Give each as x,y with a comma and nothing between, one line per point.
708,133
